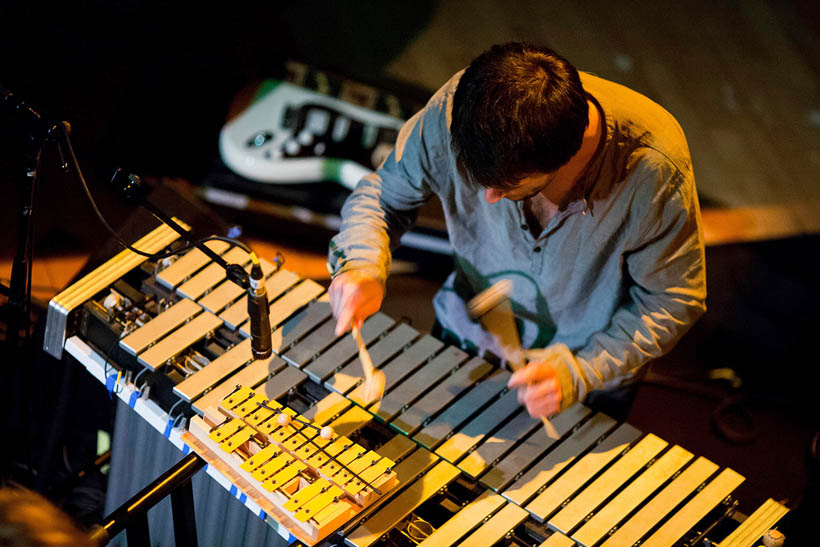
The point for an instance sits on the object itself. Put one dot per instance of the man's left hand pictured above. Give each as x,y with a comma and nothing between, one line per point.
538,388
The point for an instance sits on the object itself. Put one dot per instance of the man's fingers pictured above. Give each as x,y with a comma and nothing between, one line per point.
535,371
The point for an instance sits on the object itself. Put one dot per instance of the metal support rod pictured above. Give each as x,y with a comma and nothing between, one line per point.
138,506
182,506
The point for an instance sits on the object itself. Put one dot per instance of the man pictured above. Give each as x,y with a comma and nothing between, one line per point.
577,189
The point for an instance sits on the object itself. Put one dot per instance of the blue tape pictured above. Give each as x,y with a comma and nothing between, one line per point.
110,383
133,399
262,514
233,490
291,538
168,427
243,498
185,449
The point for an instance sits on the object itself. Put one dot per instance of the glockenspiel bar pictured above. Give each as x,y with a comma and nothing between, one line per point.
505,471
497,527
345,349
250,375
478,428
188,264
409,421
212,274
560,457
632,496
657,508
159,326
419,382
492,448
695,509
465,520
461,410
607,484
579,472
177,341
220,368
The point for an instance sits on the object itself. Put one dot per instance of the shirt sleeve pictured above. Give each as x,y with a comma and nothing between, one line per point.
384,204
666,274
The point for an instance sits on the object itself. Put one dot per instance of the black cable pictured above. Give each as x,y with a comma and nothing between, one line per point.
155,256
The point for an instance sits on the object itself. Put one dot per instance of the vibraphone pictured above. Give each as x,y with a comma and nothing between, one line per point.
461,461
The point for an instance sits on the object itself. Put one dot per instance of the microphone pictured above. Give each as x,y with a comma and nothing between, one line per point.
261,345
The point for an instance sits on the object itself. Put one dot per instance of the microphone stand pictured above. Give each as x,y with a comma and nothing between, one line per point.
38,134
130,188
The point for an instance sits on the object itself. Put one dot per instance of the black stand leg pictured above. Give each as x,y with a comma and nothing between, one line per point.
182,505
137,531
132,515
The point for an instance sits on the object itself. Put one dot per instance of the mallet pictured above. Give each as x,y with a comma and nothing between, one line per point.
492,307
374,380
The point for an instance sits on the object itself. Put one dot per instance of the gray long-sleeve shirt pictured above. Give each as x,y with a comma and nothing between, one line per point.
613,280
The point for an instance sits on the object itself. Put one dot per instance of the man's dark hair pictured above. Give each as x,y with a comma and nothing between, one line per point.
518,110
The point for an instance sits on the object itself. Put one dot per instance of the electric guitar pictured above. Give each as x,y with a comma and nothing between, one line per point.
291,134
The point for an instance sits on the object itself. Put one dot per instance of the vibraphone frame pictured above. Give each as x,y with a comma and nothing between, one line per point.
440,435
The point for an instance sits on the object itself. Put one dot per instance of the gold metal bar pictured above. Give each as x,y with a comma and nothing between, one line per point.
695,509
758,523
505,471
580,472
632,496
236,398
497,527
315,506
305,494
470,516
260,457
605,485
271,468
225,430
237,439
228,291
177,341
223,366
404,503
476,430
159,326
188,264
558,540
250,375
556,460
660,505
211,275
284,476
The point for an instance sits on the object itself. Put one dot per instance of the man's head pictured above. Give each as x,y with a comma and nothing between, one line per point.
518,111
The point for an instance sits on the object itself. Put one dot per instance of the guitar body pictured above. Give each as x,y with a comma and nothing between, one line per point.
290,134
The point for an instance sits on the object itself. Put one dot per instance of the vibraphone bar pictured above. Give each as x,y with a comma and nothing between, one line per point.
470,466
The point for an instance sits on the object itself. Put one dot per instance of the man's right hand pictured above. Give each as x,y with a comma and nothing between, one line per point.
354,296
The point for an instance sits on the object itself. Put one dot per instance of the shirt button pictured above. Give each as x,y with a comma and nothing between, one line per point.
524,226
537,249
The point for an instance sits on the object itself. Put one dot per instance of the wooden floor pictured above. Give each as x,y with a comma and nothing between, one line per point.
742,78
